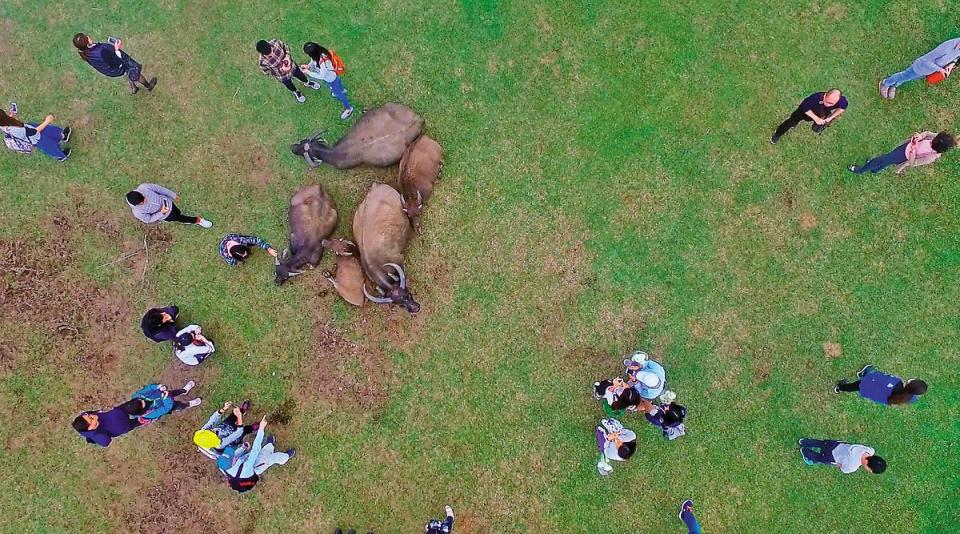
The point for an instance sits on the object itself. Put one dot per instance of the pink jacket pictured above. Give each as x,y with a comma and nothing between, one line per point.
912,159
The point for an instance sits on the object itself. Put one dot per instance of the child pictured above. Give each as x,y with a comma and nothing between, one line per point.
321,68
615,443
883,388
191,347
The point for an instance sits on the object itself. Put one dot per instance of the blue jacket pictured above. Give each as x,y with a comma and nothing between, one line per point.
878,387
938,58
657,369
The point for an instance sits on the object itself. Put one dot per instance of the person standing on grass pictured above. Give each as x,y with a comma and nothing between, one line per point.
110,60
275,61
160,324
686,515
883,388
152,203
243,469
46,137
923,148
321,68
847,456
435,526
99,428
941,59
235,248
820,108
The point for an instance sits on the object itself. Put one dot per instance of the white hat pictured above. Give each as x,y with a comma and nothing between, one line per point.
648,379
635,358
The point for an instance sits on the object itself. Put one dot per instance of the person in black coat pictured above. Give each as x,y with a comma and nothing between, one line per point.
108,59
160,324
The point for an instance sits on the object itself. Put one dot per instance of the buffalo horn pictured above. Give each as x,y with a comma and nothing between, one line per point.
403,277
378,300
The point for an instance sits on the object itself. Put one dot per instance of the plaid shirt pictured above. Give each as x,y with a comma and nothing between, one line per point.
278,62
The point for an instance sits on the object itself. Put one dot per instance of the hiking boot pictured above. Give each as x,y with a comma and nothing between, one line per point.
66,154
151,83
203,222
852,168
65,137
685,505
189,385
836,389
271,439
346,114
133,88
864,371
313,85
774,139
291,452
300,97
884,90
195,402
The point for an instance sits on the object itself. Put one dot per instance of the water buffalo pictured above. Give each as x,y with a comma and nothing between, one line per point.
312,218
382,231
347,279
378,138
419,169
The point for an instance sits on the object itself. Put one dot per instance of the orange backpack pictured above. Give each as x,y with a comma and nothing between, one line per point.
338,65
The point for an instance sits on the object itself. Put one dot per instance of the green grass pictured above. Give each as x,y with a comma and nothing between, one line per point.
608,185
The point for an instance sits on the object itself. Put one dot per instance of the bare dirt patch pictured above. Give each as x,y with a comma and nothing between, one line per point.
832,349
808,221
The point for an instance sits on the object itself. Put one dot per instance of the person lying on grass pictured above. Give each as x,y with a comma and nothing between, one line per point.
883,388
923,148
847,456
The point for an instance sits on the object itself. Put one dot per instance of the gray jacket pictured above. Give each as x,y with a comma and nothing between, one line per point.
155,199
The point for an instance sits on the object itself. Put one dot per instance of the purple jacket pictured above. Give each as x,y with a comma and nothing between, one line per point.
878,387
113,423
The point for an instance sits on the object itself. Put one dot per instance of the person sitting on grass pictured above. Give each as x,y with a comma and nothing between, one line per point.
235,248
243,467
24,137
147,405
883,388
923,148
647,376
435,526
191,347
668,417
220,432
160,324
618,397
941,59
847,456
615,443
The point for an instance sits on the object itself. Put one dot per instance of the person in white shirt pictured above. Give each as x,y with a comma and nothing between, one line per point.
847,456
321,68
190,347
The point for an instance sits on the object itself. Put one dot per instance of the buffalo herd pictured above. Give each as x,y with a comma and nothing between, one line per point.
384,221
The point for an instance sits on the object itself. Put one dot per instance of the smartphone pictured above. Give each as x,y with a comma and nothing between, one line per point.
113,40
13,108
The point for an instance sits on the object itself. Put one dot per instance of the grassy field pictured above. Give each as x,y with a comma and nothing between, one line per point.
608,185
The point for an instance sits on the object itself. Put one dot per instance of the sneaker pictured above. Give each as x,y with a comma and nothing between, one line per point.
66,154
852,168
204,223
244,406
195,402
449,511
189,385
271,439
346,114
884,90
863,371
774,139
313,85
151,83
300,97
685,505
805,459
65,138
291,452
836,388
892,93
595,386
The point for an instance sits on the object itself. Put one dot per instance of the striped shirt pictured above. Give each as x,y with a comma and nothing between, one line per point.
155,199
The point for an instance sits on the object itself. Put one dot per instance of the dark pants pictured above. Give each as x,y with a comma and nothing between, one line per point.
177,405
894,157
437,527
794,119
852,386
176,216
298,75
818,451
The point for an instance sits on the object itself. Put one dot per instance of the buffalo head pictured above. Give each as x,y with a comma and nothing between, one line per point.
306,149
397,293
412,208
283,272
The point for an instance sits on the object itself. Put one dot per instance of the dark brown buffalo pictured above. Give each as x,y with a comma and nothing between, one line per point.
379,138
312,218
381,231
419,169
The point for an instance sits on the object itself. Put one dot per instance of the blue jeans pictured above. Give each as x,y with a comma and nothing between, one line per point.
818,451
902,77
49,142
894,157
693,527
338,92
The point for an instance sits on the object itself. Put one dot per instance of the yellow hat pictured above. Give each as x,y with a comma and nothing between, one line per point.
206,439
